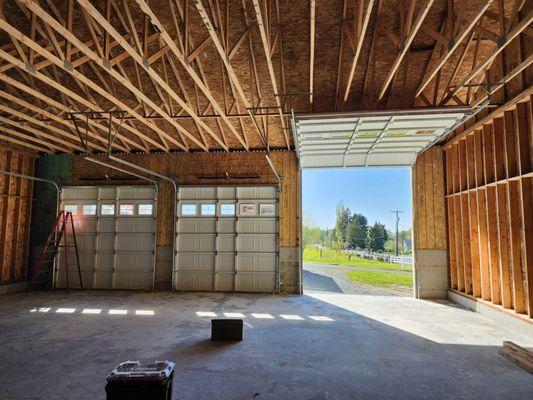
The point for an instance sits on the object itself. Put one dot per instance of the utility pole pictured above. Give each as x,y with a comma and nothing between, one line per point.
397,212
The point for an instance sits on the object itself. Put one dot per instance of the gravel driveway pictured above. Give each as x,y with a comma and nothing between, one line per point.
332,278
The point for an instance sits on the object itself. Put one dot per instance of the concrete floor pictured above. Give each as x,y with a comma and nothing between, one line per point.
356,347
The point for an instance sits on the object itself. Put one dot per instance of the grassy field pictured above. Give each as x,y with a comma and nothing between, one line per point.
312,255
383,279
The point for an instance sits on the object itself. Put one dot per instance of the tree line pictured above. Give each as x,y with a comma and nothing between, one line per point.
352,231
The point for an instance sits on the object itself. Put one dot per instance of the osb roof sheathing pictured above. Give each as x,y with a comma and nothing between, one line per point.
289,29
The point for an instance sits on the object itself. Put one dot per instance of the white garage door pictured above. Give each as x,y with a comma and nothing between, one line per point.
115,230
227,239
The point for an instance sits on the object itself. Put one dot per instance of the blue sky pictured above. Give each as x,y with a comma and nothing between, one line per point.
369,191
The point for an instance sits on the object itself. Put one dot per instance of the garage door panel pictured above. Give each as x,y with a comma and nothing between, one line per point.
136,242
85,242
135,225
256,243
108,193
135,193
256,192
105,242
257,225
196,281
224,282
74,282
258,262
191,242
83,226
254,282
225,262
103,280
197,225
132,280
79,193
73,268
197,193
104,261
196,261
87,259
226,243
134,261
106,225
227,192
226,225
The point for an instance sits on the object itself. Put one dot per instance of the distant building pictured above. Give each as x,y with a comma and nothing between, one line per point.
407,245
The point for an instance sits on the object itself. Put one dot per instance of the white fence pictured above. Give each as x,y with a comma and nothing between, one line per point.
403,260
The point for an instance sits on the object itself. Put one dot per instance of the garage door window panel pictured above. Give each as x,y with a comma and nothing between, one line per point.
126,209
208,209
188,209
89,209
146,209
227,209
71,208
247,209
107,209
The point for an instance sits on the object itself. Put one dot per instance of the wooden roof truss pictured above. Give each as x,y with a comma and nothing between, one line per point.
211,75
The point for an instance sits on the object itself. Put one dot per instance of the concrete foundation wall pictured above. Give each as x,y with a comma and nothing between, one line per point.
289,266
522,325
431,274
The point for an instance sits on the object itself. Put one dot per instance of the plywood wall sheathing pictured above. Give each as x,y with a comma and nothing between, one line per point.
15,215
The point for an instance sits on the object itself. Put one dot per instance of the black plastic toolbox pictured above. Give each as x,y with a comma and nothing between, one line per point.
226,329
133,380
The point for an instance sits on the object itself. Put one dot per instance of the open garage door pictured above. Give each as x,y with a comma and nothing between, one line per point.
227,239
115,229
372,139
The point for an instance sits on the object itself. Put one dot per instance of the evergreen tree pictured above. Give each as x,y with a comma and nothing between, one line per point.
357,230
376,237
341,224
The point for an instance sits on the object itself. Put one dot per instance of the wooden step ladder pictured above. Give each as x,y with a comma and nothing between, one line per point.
40,276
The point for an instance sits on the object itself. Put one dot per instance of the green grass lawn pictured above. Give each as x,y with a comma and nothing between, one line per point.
312,255
383,279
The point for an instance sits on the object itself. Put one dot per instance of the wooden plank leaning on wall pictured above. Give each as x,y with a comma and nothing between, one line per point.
494,226
15,214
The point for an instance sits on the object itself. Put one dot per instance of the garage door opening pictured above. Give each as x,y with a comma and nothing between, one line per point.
357,161
357,234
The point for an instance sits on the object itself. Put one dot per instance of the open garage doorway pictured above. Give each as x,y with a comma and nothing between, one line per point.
357,231
358,173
